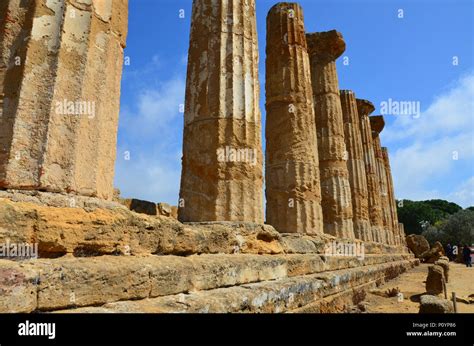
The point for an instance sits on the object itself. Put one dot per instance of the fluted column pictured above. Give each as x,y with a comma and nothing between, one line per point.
324,48
293,189
365,108
60,75
356,166
391,197
222,174
403,236
377,123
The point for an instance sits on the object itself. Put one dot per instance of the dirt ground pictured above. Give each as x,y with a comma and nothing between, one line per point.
412,285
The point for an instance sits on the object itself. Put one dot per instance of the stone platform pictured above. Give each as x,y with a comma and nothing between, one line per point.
99,256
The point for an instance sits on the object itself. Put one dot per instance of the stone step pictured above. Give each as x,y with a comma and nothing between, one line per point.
52,284
281,295
95,227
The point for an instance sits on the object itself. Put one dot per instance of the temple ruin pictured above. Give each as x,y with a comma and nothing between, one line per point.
328,179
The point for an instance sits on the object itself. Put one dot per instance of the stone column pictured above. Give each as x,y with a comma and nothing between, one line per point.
293,189
364,108
222,175
356,166
391,197
403,236
324,48
60,74
377,123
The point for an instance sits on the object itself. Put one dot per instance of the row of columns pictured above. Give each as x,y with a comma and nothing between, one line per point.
325,169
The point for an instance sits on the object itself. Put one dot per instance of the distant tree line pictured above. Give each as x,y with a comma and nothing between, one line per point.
437,220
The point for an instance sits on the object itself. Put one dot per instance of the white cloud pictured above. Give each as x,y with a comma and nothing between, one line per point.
156,108
184,60
151,179
451,112
464,193
434,150
151,132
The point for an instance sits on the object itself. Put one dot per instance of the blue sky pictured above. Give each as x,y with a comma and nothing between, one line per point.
426,56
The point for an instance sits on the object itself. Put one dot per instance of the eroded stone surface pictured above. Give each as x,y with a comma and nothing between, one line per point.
417,244
60,72
293,191
276,296
365,108
403,235
377,123
435,280
74,282
397,236
222,174
434,305
94,227
356,166
324,48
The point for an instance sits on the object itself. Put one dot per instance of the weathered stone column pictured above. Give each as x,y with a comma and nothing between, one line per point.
293,189
364,108
391,197
324,48
377,123
60,74
222,178
356,166
403,236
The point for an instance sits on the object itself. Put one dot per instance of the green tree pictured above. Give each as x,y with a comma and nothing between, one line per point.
445,208
459,228
433,234
416,214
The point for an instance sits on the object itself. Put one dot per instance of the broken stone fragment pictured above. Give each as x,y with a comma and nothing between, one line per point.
434,305
417,244
164,209
435,280
143,207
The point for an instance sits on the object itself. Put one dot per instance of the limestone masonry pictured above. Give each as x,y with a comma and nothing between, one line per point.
377,123
398,237
356,166
331,231
222,114
60,73
365,108
292,166
324,49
